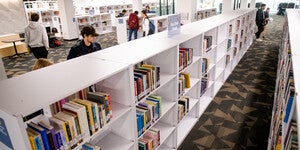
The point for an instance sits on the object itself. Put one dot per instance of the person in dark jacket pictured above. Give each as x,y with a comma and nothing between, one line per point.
260,21
86,45
124,11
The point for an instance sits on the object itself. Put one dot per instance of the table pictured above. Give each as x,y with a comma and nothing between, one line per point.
14,42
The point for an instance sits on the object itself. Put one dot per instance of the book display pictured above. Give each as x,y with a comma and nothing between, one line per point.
143,94
48,12
285,125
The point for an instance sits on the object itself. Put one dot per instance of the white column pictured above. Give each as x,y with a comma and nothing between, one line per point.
244,4
68,20
252,3
2,71
227,6
187,9
137,5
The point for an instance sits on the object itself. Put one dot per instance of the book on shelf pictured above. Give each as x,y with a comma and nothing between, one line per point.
181,85
71,128
205,65
236,38
146,79
227,60
204,85
42,132
207,43
234,51
237,25
60,128
180,112
91,115
185,57
185,101
35,139
230,29
229,44
80,111
187,79
150,140
50,134
148,111
101,98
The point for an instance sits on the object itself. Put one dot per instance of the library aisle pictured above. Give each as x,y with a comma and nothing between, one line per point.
239,116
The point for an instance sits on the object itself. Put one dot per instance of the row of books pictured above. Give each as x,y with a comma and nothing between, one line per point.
146,79
227,60
150,140
184,82
185,57
183,107
205,66
229,44
76,122
230,29
204,85
207,43
147,112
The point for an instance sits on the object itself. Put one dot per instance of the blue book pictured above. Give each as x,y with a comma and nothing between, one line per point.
43,133
288,109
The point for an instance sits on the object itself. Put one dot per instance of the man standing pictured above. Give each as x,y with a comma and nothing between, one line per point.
86,45
133,24
260,19
36,37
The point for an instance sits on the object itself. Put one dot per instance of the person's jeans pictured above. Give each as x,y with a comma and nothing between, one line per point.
130,34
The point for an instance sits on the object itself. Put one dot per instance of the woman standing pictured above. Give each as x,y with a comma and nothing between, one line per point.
145,23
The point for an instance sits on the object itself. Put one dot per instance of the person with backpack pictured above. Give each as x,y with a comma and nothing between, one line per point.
147,26
133,24
86,45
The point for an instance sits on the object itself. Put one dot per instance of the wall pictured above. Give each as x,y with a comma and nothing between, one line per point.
12,16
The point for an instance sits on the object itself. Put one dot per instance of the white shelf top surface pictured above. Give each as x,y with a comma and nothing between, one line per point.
293,16
134,51
32,91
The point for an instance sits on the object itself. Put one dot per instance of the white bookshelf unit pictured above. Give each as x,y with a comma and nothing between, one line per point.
284,129
48,12
205,13
112,70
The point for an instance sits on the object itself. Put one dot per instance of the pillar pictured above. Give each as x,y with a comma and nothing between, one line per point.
227,6
137,5
252,3
68,20
187,9
244,4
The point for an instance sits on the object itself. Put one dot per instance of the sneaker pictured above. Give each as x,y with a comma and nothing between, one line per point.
259,40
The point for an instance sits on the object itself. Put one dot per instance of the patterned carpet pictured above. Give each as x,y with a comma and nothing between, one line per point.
21,65
239,116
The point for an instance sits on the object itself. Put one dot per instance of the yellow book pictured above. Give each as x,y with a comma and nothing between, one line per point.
31,139
88,106
187,78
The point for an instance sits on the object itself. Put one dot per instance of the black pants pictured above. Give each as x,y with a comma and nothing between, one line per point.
39,52
260,30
